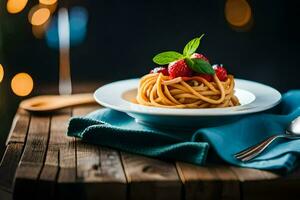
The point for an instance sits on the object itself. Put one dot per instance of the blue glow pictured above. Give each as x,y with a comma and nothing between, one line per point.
52,33
78,18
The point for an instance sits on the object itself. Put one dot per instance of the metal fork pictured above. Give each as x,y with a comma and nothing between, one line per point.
252,152
292,132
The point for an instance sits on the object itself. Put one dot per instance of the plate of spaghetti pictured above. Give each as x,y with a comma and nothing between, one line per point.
186,91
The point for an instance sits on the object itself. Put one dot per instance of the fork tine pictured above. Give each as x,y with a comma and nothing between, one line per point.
255,153
264,146
244,151
250,150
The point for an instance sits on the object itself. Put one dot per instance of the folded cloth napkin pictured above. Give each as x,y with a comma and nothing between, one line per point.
116,129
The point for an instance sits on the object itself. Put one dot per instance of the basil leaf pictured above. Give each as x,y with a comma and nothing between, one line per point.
167,57
192,46
199,65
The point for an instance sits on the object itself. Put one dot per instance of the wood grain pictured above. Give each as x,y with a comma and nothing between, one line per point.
14,148
9,165
259,184
208,182
5,195
19,127
151,178
67,162
33,157
57,141
98,169
63,153
55,166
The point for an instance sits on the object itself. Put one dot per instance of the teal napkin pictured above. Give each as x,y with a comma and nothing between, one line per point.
117,130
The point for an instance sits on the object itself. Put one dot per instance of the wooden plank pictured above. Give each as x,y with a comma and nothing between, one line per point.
248,174
5,195
19,127
57,140
151,178
15,143
32,158
98,169
208,182
67,188
67,161
9,165
259,184
159,184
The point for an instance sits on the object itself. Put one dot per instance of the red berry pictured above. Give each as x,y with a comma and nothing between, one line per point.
220,72
162,70
206,77
200,56
179,69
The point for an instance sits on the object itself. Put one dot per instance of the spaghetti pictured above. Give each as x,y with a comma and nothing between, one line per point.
158,90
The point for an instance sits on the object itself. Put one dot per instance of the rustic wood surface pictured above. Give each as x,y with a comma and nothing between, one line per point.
41,162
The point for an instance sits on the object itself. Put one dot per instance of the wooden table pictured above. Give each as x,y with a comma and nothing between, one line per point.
41,162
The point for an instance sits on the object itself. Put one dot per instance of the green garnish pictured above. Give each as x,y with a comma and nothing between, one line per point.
192,46
198,65
167,57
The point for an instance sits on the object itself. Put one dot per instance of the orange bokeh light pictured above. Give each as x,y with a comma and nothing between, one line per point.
1,73
238,13
48,2
38,16
15,6
39,31
22,84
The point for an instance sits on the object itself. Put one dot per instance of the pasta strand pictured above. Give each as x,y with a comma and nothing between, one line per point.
158,90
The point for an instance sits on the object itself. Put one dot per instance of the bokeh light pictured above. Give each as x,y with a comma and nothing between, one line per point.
15,6
1,73
39,31
22,84
50,4
238,13
38,15
47,2
78,17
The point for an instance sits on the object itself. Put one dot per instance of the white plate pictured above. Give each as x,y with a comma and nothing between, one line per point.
254,97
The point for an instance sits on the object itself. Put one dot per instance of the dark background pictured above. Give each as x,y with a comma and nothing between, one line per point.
123,36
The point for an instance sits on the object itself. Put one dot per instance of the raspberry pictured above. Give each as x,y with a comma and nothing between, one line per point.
200,56
179,69
162,70
220,72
